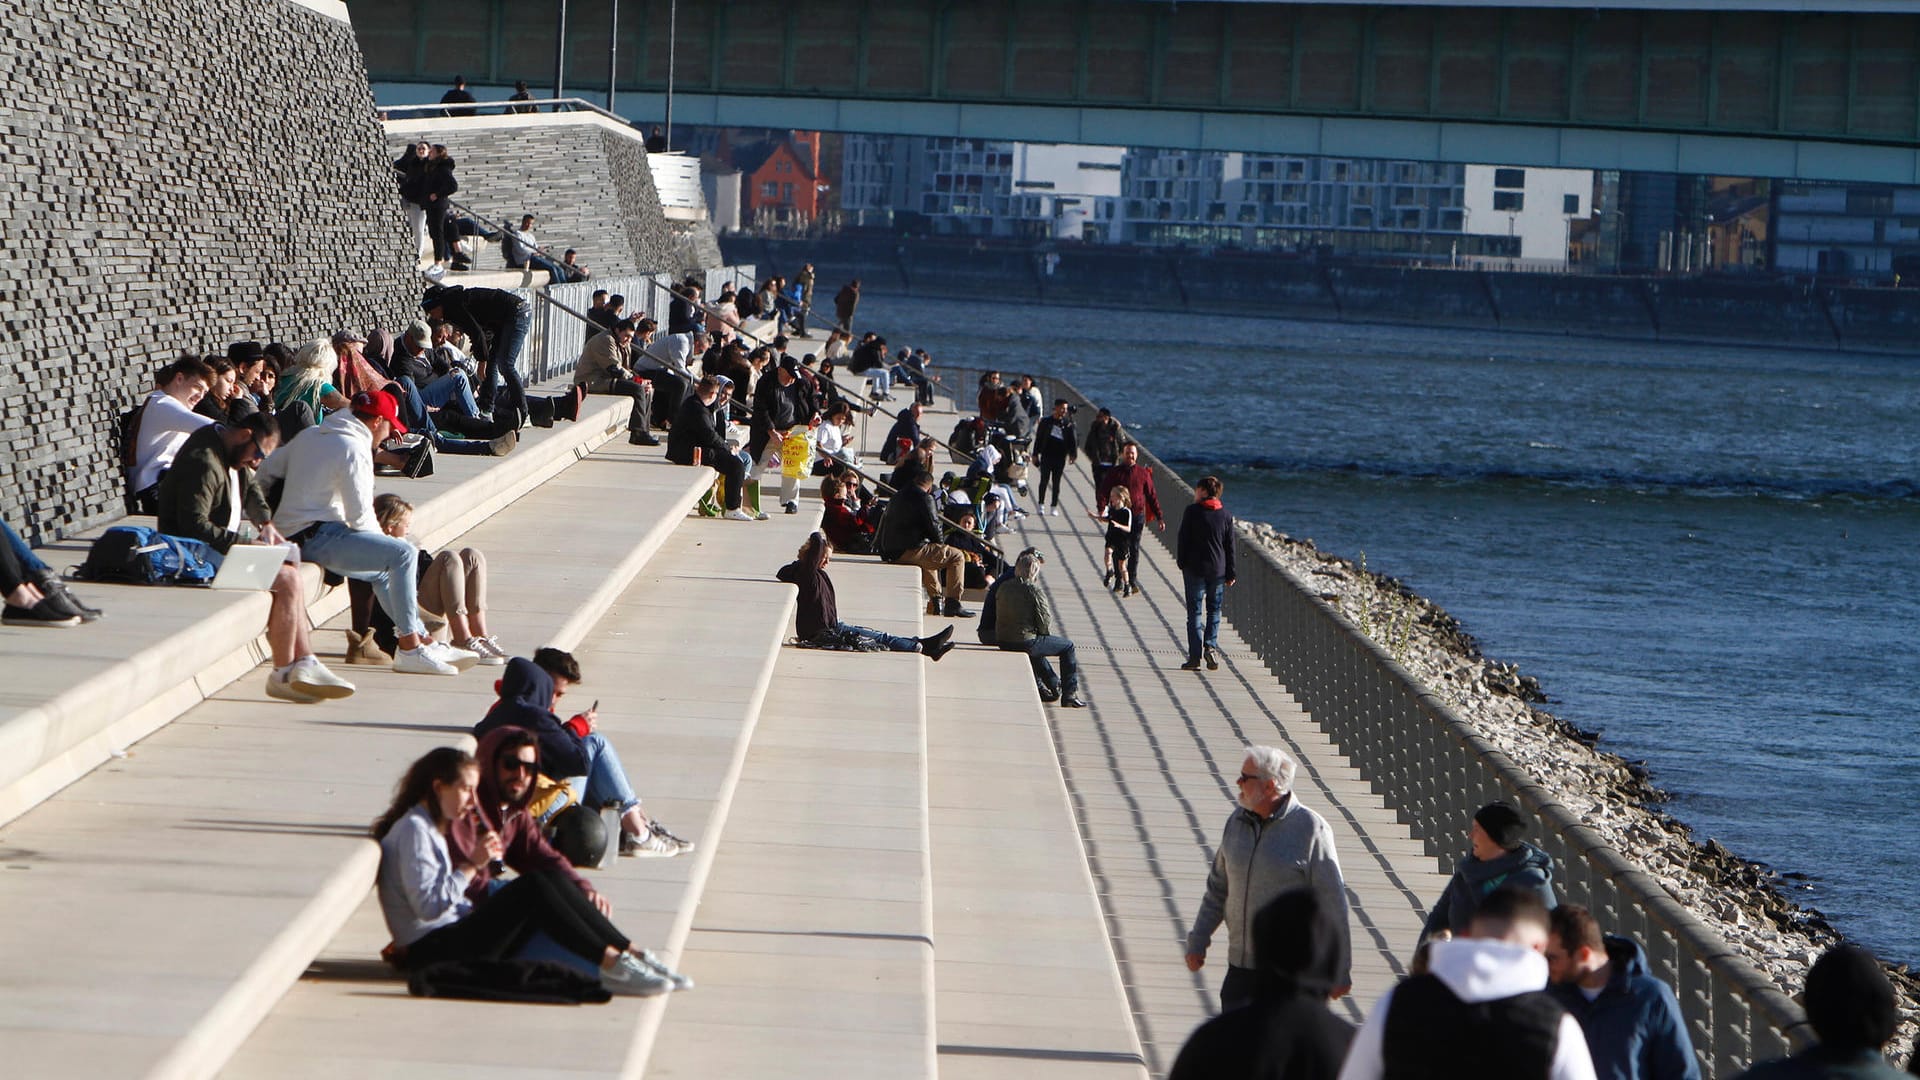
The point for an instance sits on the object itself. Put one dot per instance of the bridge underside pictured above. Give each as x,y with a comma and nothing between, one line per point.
1780,93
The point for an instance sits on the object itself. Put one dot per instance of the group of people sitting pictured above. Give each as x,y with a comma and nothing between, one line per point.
527,801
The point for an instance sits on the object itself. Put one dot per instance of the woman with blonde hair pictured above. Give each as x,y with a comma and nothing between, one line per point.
306,392
453,586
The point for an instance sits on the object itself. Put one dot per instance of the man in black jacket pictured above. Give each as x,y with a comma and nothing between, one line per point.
910,534
694,431
496,324
776,410
1056,445
683,315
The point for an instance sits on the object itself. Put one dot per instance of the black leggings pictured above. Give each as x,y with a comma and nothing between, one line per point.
1050,470
735,470
499,925
438,231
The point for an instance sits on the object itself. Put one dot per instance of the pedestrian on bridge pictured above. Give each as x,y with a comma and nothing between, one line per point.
1497,858
1272,843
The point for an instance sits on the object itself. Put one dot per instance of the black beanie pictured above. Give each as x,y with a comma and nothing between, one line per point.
1501,823
1849,1000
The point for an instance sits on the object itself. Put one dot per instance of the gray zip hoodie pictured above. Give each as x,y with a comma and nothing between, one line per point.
1258,860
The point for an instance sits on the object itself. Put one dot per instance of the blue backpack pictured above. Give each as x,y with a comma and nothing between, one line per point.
142,555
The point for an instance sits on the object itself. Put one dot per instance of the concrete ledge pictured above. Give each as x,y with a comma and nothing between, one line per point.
73,698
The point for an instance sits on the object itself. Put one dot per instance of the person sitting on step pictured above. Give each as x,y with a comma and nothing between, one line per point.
817,616
1023,622
574,751
197,500
427,879
326,507
453,589
602,369
35,594
695,440
165,420
910,533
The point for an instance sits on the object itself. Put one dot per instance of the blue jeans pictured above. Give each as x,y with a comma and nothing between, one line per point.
28,560
1210,591
450,389
893,642
1038,650
607,783
387,563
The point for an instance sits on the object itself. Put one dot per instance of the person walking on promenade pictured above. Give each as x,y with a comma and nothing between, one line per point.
844,303
1271,844
1205,557
1496,858
1851,1006
1286,1032
1056,445
1138,480
1118,514
1023,622
1631,1020
1104,440
1480,1010
803,281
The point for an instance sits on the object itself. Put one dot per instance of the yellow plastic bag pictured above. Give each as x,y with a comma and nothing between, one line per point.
796,454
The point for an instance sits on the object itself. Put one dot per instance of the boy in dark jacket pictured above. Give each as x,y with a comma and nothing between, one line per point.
1205,557
569,750
1631,1019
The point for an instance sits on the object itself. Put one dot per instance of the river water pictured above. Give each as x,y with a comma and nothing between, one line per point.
1706,554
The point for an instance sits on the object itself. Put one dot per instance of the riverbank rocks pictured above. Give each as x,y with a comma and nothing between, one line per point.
1745,901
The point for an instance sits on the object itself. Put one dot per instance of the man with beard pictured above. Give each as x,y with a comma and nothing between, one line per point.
210,495
1271,844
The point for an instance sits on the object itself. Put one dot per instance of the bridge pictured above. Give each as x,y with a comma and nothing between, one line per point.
1797,89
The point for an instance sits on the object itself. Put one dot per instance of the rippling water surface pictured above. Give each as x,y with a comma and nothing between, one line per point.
1706,554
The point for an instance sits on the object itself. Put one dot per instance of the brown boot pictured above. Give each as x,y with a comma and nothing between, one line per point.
362,649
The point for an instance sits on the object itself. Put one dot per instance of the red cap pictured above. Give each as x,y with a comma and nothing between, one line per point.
379,403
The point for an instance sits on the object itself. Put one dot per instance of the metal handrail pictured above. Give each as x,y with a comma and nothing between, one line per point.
438,110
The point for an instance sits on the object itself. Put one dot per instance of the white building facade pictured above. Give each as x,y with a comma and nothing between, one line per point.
1534,208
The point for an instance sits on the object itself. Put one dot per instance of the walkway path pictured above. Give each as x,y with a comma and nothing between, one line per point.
1150,767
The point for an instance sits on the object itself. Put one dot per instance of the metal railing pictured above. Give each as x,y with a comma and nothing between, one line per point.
1435,769
469,110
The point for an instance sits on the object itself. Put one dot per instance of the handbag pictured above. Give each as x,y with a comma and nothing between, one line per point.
143,555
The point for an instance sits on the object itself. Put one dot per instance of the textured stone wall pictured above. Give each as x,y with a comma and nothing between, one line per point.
176,174
589,188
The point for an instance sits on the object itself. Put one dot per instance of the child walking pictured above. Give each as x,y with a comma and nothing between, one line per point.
1118,514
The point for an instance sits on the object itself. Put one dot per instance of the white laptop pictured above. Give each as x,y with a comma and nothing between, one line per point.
251,566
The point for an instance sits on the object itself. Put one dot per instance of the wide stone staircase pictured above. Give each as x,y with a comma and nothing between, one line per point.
889,879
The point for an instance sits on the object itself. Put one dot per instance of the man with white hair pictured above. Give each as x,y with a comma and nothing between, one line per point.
1271,844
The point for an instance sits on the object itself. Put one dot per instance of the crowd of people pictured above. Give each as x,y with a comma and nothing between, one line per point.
428,180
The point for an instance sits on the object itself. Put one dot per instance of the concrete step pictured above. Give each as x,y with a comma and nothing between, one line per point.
813,940
1025,973
73,698
156,909
680,665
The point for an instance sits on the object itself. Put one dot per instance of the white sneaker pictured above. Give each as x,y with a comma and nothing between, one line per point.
659,966
630,975
422,661
310,676
460,659
759,515
280,686
483,649
650,846
738,515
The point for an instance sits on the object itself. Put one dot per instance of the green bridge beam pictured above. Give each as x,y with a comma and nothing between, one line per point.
1788,87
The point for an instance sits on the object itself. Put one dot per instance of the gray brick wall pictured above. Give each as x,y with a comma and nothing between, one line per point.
589,189
175,175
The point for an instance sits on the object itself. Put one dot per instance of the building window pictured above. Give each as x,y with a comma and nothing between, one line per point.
769,190
786,193
1570,204
1509,178
1509,200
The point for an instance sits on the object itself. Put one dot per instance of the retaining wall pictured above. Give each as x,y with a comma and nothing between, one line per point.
161,192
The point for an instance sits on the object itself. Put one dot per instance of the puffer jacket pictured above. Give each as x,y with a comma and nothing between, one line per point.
1523,867
1256,861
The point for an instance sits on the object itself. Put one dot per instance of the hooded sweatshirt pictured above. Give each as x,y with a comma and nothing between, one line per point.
1287,1032
1457,1039
1633,1028
527,851
1474,879
526,700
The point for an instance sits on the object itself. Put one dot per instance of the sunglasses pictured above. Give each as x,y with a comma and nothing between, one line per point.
1246,777
519,765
